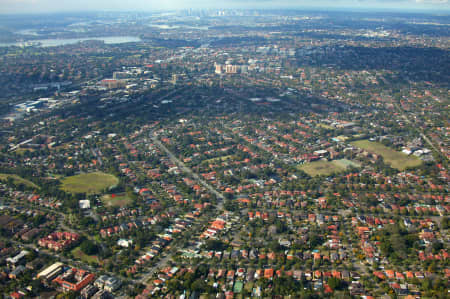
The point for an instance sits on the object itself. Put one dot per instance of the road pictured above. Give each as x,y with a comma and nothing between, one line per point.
57,256
160,264
219,206
420,131
183,167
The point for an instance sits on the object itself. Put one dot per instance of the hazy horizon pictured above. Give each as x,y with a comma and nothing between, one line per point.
64,6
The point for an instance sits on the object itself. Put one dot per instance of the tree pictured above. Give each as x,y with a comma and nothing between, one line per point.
89,247
437,246
334,283
216,245
315,240
445,223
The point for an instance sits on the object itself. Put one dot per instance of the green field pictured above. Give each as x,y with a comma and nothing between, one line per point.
392,157
249,286
80,255
217,159
327,167
326,126
120,200
17,180
89,183
238,286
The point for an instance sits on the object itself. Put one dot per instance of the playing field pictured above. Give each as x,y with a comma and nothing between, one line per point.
327,167
17,180
118,200
392,157
80,255
89,183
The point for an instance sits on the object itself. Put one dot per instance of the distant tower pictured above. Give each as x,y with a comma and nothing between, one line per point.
218,68
231,69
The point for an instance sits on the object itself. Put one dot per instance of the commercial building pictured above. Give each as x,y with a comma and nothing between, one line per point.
74,280
51,272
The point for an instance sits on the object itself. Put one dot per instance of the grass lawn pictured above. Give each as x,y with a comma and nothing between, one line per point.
89,183
119,200
18,180
326,167
326,126
344,163
238,286
78,254
248,286
342,137
54,176
217,159
21,151
392,157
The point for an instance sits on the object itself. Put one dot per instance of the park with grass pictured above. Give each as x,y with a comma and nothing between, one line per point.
17,180
218,159
80,255
89,183
323,167
116,200
390,156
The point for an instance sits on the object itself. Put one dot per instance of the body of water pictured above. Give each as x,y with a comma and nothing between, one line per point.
68,41
169,27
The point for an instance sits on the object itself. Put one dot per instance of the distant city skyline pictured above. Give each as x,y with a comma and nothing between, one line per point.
50,6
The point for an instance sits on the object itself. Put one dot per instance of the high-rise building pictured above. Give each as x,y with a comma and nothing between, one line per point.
219,68
231,69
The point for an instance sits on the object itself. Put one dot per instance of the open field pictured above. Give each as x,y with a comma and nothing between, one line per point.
392,157
80,255
327,167
89,183
17,180
217,159
21,151
342,138
344,163
326,126
119,200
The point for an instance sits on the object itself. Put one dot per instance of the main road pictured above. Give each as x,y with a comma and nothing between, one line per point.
219,205
186,169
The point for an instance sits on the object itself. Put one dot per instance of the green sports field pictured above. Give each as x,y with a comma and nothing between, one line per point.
119,200
392,157
327,167
89,183
78,254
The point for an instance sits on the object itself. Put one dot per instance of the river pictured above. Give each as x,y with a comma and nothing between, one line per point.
68,41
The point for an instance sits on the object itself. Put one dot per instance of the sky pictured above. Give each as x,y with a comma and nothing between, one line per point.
50,6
